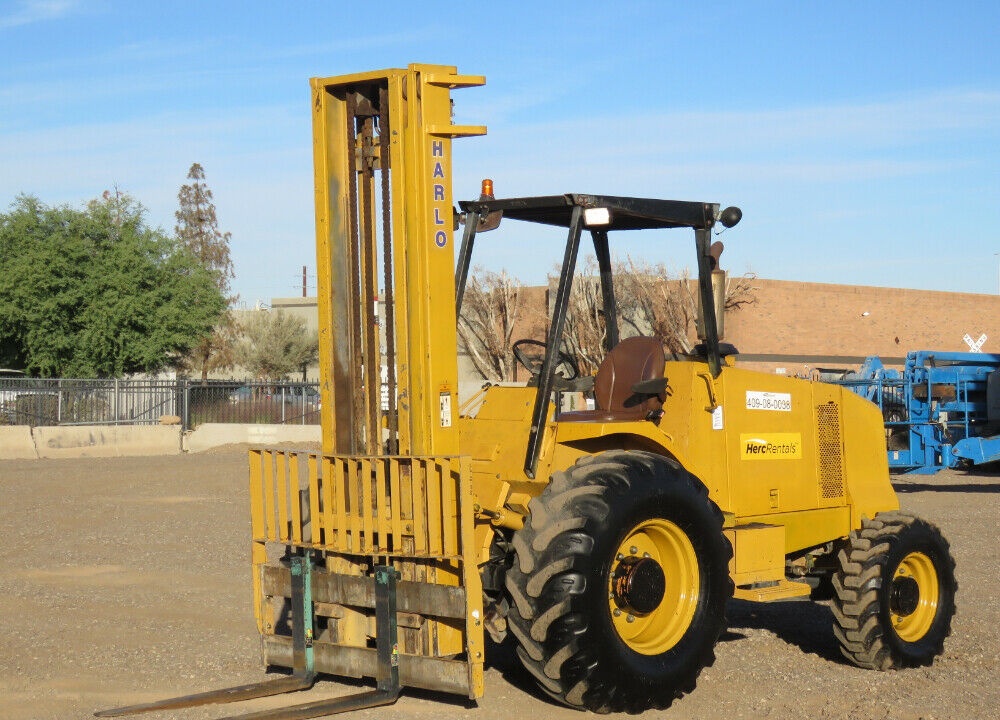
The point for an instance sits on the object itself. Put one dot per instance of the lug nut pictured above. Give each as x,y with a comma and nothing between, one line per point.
630,618
633,549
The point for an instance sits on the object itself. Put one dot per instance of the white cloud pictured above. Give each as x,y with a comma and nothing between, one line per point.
908,137
829,176
349,45
32,11
878,180
257,162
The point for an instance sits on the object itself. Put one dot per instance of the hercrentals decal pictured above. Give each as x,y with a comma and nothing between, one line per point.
771,446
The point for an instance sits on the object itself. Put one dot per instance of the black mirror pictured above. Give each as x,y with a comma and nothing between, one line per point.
730,216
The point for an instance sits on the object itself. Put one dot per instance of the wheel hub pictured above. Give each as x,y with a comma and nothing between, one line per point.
914,595
639,585
904,596
650,615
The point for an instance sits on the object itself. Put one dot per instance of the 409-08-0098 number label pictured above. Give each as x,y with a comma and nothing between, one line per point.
759,400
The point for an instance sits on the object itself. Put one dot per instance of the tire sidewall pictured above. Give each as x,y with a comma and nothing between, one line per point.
658,494
919,537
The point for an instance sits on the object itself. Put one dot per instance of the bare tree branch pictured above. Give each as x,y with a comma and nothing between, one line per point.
740,291
585,330
650,299
490,308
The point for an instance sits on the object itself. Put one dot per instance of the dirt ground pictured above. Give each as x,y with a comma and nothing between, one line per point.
127,580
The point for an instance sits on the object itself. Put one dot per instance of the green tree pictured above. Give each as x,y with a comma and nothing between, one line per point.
274,344
198,231
96,292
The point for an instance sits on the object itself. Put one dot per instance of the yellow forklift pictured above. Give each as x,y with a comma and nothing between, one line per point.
604,542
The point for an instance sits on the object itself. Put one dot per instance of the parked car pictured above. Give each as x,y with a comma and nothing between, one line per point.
27,401
305,394
300,395
242,394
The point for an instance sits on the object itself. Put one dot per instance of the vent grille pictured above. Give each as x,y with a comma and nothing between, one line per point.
831,475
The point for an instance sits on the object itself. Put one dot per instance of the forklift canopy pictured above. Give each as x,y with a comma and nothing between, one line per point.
574,212
626,213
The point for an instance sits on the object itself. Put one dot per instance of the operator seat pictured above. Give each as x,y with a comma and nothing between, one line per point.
633,360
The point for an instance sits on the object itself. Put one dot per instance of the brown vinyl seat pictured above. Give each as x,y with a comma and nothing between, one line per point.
633,360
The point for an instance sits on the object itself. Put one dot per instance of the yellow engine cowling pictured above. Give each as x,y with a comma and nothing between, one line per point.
793,464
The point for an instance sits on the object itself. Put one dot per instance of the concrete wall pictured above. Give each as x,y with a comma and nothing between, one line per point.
210,435
16,443
67,441
19,442
805,323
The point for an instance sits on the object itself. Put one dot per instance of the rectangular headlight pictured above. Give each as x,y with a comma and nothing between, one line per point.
595,217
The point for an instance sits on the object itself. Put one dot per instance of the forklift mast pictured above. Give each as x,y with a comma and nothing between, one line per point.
384,225
364,560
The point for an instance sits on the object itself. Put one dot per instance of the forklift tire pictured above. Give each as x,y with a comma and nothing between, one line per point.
895,593
620,583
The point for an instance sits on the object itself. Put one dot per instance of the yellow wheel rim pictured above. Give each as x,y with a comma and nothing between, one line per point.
913,597
659,545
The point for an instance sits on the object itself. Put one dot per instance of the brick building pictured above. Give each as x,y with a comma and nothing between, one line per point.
796,327
800,326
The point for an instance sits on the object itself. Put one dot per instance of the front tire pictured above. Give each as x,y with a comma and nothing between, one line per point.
895,593
620,583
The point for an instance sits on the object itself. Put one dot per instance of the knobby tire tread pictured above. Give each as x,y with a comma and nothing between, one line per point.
861,623
550,616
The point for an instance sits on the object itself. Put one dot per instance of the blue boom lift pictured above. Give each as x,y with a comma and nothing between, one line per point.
941,411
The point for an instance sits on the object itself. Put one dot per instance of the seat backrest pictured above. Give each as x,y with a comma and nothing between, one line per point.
632,360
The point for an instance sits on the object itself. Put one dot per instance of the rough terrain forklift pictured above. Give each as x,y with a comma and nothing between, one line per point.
607,541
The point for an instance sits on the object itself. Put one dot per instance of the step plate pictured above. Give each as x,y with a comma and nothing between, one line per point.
783,590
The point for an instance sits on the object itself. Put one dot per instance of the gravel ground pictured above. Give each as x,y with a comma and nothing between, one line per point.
126,580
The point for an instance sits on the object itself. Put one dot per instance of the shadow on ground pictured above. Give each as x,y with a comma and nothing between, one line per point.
958,488
502,657
807,625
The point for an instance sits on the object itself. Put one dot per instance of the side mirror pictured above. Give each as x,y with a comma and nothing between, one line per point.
730,216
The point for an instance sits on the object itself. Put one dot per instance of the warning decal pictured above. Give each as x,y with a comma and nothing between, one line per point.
445,403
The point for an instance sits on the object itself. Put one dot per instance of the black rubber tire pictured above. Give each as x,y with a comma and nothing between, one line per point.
560,577
898,439
862,602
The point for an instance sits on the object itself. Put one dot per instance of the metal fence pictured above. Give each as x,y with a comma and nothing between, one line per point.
37,401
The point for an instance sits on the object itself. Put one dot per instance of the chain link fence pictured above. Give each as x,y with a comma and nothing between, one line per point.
38,401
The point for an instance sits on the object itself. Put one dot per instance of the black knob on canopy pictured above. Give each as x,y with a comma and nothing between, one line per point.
730,216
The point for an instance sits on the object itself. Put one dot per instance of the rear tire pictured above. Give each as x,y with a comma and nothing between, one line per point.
620,583
895,593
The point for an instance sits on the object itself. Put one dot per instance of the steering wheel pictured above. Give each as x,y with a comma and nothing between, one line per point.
566,366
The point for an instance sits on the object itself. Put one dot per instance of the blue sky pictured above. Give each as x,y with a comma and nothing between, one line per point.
861,140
